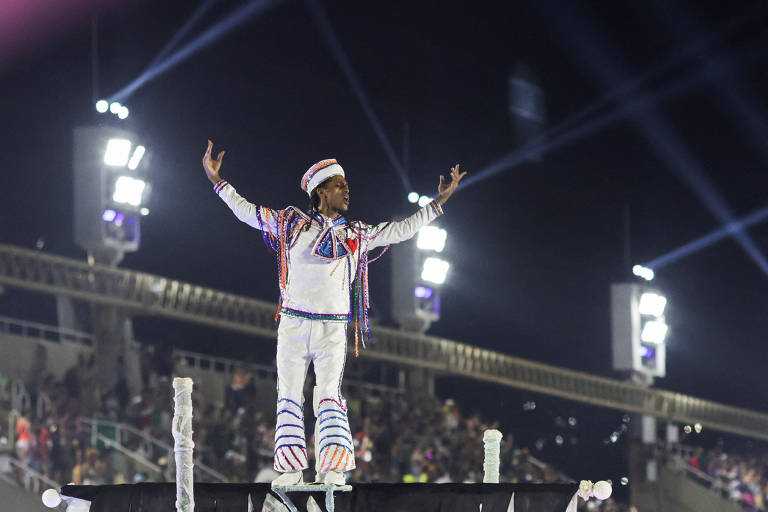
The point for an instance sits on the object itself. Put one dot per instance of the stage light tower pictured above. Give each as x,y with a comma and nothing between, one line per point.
639,331
110,192
418,274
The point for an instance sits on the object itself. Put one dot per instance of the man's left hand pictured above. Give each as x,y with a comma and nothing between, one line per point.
445,189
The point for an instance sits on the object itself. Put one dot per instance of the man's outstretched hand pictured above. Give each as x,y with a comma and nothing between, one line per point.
446,189
212,166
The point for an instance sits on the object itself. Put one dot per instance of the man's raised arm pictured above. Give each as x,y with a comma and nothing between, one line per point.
388,233
259,217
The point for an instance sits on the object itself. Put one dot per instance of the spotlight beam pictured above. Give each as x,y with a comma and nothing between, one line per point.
627,87
337,50
594,54
179,35
701,43
707,240
543,144
742,102
236,19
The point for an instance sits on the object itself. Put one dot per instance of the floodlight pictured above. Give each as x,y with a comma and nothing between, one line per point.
102,106
128,190
434,270
413,197
646,352
654,332
123,112
644,272
133,163
114,107
424,200
144,211
117,152
423,292
652,304
108,215
431,238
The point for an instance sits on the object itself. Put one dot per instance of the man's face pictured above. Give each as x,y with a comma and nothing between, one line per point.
335,194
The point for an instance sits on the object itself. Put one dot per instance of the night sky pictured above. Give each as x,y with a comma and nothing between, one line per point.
533,249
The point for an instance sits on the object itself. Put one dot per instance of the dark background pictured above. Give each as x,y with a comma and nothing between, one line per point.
533,249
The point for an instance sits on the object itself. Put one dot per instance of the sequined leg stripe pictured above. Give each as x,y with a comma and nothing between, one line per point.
330,462
346,456
290,444
291,402
338,404
293,468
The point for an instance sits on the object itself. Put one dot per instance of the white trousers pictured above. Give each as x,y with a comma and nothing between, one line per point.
300,342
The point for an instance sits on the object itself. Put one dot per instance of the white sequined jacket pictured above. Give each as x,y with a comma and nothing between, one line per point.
319,264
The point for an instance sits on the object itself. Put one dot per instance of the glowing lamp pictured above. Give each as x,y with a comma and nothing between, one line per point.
644,272
128,190
117,152
654,332
423,292
133,163
431,238
435,270
652,304
424,200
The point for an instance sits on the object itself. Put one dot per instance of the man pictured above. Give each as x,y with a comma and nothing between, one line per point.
322,261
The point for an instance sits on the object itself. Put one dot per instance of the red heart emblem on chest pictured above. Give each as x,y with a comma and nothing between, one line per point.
352,244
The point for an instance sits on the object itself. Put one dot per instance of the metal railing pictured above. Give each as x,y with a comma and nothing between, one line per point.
43,332
134,456
144,293
215,364
129,438
31,480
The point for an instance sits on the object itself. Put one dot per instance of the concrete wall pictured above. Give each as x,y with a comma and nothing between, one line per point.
27,358
16,499
675,492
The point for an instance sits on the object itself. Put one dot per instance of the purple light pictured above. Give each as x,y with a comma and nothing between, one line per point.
646,352
422,292
108,215
119,218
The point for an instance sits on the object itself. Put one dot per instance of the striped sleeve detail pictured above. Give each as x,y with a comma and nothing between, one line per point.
220,185
436,208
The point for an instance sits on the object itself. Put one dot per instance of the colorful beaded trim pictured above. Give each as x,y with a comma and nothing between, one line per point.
436,208
319,166
220,185
330,317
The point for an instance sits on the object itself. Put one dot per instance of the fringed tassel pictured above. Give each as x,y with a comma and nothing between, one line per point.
282,259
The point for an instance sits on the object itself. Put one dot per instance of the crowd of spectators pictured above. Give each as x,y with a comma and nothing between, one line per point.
740,478
398,436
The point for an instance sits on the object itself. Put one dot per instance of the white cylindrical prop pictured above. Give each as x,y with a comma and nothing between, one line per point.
492,441
183,444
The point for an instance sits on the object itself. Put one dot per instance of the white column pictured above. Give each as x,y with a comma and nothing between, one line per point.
183,444
492,441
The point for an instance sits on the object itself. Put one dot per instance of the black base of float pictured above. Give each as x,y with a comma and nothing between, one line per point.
160,497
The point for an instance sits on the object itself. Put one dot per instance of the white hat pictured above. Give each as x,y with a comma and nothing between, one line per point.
320,172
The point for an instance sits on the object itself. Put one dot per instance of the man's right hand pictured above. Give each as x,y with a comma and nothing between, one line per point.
212,166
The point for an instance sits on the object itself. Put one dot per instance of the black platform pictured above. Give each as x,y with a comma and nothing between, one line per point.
160,497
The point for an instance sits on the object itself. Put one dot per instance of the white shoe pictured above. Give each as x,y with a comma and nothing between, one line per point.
334,478
289,478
